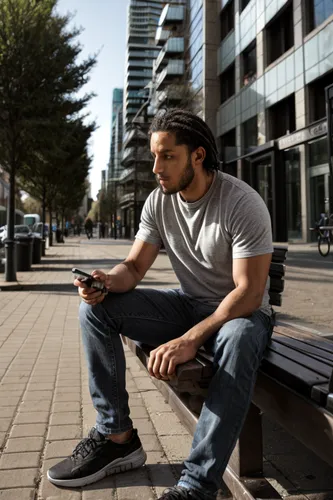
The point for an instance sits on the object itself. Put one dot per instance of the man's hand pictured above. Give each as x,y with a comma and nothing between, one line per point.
92,296
164,359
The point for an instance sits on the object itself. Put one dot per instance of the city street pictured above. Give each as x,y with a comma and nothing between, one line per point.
45,407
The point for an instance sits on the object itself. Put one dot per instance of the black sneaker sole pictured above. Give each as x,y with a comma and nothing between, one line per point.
132,461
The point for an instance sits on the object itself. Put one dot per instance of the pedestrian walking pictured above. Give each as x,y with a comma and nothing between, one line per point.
88,226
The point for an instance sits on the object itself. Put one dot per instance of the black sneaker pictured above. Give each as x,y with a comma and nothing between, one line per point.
180,493
96,457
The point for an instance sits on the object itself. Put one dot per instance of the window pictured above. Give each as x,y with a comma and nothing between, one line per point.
280,34
227,19
316,13
250,135
281,117
318,152
249,63
228,147
243,4
316,96
227,83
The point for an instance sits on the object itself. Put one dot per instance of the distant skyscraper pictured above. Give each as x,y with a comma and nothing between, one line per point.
116,134
143,17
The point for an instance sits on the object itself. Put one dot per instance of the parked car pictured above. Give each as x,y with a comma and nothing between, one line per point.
19,230
37,229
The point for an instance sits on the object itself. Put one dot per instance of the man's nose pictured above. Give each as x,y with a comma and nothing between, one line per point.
157,169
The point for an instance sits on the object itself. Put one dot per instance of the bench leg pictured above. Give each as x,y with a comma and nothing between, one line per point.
247,457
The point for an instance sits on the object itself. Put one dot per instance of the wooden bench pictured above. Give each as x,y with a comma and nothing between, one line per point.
294,388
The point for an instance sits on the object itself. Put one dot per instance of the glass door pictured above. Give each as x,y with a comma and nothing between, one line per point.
262,181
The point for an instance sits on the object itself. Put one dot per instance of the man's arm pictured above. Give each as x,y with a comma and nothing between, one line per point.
128,274
124,276
250,277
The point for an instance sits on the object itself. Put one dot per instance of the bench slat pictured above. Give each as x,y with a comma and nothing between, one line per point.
304,336
301,359
308,349
290,373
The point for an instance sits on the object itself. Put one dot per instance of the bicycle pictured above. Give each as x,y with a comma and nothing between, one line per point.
324,239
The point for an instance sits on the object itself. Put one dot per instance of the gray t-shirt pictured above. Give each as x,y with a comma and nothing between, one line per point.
230,221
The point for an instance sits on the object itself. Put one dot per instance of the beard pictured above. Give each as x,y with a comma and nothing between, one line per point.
184,182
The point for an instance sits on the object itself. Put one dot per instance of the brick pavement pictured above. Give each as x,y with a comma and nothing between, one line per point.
45,406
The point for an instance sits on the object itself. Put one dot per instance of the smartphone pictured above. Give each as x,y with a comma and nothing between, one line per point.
87,279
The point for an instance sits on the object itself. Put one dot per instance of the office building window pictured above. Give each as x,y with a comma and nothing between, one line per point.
318,152
282,118
228,147
280,34
227,19
227,83
249,64
316,11
316,96
250,135
243,4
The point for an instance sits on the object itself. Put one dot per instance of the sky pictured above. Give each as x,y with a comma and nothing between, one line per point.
104,31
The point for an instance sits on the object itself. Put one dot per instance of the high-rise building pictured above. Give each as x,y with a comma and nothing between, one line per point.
115,168
143,16
275,60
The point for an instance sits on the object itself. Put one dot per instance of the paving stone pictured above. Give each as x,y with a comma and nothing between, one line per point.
67,396
7,412
167,424
17,494
57,432
134,485
48,491
150,442
60,449
28,430
19,460
154,401
65,418
30,406
176,448
38,396
5,424
139,412
2,438
103,490
9,401
11,479
66,406
160,472
144,384
144,426
35,417
24,444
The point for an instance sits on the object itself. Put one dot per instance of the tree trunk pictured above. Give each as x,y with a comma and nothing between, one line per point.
10,274
51,232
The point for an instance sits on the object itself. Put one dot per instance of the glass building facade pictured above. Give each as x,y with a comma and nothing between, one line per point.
143,18
275,59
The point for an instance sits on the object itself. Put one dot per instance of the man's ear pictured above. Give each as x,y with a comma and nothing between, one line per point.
200,155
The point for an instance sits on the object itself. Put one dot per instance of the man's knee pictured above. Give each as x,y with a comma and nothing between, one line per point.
89,314
242,336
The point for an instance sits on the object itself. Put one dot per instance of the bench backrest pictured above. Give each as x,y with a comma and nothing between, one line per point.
276,274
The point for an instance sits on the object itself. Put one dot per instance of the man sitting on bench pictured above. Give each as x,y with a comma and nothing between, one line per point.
217,232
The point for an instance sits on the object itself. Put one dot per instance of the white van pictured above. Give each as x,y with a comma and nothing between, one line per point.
31,219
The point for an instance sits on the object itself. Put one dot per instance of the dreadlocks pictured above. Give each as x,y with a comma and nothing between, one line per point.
190,130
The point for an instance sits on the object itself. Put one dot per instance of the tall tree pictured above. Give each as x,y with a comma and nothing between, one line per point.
39,81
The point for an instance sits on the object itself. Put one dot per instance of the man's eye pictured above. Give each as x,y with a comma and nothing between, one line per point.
168,157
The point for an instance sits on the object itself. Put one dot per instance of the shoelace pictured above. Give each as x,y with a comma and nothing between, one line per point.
85,446
179,493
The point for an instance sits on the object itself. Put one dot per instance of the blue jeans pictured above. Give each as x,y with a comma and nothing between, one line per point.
158,316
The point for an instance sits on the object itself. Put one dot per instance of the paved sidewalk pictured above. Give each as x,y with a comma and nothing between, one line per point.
45,406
